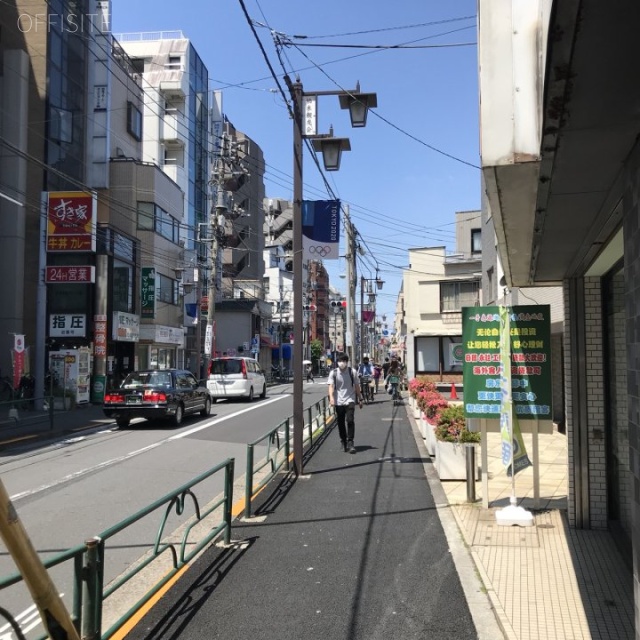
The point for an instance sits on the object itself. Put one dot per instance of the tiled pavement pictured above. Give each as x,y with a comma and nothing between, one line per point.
546,581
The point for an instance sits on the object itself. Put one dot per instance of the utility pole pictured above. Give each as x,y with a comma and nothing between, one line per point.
227,178
351,285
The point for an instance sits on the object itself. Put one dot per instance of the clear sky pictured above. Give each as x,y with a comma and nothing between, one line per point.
416,162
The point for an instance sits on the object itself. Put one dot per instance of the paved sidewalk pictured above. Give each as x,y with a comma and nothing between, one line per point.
546,581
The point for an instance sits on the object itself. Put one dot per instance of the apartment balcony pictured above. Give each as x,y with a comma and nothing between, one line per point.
174,128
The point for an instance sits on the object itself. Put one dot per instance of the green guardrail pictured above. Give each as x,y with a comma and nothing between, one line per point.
25,411
279,449
89,592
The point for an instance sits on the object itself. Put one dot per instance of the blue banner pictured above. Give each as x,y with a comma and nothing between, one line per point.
320,229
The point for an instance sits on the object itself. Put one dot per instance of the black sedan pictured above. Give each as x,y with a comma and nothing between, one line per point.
153,394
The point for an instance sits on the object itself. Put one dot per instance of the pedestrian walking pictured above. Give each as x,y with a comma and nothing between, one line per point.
385,370
310,373
377,372
344,393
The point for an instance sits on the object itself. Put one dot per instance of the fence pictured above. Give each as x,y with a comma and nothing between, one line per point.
89,592
279,449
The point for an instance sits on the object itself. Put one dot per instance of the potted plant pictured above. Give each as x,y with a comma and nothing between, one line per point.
430,404
451,437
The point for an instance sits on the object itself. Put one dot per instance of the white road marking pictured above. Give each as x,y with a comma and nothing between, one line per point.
27,620
107,463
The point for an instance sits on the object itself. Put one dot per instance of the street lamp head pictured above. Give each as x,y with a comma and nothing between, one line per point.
379,283
358,105
331,149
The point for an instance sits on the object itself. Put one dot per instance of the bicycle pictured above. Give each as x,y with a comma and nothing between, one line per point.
365,387
394,383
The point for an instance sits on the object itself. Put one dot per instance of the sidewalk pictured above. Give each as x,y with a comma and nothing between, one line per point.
351,550
33,426
545,581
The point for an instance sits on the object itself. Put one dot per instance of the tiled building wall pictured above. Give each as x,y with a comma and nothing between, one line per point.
568,404
595,403
631,203
594,421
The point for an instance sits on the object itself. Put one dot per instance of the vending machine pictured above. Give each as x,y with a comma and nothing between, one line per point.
71,372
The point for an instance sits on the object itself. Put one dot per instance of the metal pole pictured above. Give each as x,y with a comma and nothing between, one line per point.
281,334
470,457
351,285
362,333
298,417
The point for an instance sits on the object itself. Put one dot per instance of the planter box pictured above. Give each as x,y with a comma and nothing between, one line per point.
451,461
430,437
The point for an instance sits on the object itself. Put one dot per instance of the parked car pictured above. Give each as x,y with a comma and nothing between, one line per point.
236,377
155,394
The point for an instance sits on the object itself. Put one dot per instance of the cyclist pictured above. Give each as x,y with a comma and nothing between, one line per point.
393,380
365,373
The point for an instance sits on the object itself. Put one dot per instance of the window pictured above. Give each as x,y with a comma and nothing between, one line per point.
455,295
155,218
167,289
145,215
476,241
61,125
175,62
134,121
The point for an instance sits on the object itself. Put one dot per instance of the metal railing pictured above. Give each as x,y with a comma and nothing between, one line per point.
89,592
279,449
22,411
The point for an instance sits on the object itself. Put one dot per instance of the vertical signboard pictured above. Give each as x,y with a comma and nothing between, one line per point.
71,221
320,229
530,348
148,292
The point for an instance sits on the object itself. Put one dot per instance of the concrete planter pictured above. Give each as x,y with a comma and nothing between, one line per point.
430,437
451,461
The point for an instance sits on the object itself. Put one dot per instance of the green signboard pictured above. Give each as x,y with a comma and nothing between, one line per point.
148,292
530,335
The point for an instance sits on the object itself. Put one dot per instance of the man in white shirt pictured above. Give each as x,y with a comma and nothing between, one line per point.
344,393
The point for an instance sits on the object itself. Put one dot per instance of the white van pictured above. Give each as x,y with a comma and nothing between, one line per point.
236,377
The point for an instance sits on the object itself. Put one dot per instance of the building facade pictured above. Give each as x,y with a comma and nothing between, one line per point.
561,165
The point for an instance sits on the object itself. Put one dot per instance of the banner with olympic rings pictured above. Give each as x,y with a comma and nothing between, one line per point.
320,229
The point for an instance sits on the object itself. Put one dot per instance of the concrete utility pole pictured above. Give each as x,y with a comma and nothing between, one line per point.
227,178
352,279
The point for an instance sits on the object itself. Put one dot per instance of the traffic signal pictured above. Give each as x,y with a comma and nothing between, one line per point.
308,307
288,265
336,305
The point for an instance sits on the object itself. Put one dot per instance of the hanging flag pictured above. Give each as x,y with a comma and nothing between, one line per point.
506,413
520,458
368,316
320,229
18,359
513,449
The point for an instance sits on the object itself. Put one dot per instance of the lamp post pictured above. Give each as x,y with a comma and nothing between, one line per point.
304,126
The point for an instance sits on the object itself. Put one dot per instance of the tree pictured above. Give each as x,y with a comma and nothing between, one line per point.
316,349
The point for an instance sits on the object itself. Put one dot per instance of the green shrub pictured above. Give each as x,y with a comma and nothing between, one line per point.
452,426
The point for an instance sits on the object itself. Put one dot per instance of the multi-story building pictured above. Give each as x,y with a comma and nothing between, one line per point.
176,134
435,288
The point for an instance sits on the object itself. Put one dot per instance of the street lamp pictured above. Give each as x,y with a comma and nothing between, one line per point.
304,126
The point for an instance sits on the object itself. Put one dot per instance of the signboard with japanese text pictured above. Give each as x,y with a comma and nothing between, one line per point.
71,221
126,327
75,274
67,325
148,292
530,336
100,336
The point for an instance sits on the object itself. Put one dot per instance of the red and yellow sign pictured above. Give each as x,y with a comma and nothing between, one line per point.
71,221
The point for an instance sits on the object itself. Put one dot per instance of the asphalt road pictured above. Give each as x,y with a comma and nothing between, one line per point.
73,488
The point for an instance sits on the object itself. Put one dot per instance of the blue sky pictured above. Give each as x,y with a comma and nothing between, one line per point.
412,167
